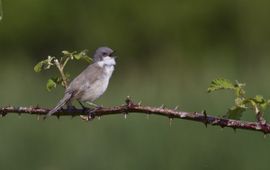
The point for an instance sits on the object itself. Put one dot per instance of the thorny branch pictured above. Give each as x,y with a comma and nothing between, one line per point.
130,107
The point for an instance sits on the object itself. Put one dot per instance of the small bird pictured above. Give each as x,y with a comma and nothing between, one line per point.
90,84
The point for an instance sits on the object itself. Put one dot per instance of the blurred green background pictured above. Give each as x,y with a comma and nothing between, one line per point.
169,51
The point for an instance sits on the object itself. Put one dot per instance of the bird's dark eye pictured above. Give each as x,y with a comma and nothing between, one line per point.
104,53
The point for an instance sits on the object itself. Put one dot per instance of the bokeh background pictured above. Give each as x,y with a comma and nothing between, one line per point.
169,51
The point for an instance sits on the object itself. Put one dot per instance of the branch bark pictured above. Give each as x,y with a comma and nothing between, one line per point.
130,107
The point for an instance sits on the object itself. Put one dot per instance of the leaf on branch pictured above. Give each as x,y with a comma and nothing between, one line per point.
51,84
259,102
259,99
44,64
220,84
239,89
235,112
241,102
60,64
224,84
83,55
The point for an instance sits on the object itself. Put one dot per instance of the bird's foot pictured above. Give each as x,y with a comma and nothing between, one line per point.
90,113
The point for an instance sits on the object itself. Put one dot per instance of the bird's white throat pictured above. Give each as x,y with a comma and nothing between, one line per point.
107,61
108,65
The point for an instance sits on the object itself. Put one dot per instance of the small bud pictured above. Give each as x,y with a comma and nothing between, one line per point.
162,106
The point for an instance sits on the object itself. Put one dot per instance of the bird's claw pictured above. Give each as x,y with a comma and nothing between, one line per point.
90,114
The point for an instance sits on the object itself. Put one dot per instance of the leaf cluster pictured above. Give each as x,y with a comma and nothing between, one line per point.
242,103
60,63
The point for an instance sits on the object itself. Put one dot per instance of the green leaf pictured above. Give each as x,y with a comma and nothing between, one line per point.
87,59
51,84
235,113
259,99
44,64
219,84
241,102
38,67
83,55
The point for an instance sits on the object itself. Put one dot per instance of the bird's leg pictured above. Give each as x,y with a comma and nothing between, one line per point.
91,113
83,107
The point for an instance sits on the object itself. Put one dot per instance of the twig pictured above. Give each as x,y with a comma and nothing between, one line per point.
61,70
130,107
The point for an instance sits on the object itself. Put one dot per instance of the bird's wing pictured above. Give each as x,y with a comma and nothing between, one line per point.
84,80
60,104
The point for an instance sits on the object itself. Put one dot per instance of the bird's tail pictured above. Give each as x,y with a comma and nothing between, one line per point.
59,105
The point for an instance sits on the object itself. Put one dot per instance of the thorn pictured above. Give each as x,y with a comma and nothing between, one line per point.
19,115
171,121
205,118
162,106
99,117
140,102
38,117
176,107
125,115
58,116
264,136
234,129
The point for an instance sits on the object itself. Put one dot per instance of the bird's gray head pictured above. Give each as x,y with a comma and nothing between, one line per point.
101,53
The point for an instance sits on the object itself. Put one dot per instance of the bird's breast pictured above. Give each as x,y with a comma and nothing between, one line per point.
99,86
